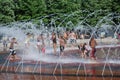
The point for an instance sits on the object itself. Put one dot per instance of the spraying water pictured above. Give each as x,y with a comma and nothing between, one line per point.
20,29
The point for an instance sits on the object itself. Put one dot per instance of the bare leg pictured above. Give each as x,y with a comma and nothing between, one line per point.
54,46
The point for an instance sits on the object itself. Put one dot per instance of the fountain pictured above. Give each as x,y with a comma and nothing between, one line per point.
37,62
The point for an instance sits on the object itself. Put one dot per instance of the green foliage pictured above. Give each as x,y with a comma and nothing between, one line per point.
6,11
29,9
66,10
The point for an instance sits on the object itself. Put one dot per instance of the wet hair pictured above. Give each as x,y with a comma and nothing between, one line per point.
61,36
13,38
92,38
54,33
85,44
28,33
41,34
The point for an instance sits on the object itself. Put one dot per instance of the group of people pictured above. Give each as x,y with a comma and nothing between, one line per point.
88,50
84,48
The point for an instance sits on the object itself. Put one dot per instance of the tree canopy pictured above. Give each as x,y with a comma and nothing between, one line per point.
78,10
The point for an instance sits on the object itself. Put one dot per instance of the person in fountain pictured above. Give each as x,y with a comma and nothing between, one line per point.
93,44
84,50
54,40
12,50
5,42
65,36
81,48
87,49
62,44
48,40
119,38
40,43
116,35
72,37
27,40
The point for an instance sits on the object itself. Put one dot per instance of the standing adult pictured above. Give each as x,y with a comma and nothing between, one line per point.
93,44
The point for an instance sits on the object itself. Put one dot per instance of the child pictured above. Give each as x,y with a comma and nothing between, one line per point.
62,44
40,43
84,50
81,48
12,50
87,49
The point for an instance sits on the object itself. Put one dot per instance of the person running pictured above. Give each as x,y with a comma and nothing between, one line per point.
54,40
12,50
62,44
93,44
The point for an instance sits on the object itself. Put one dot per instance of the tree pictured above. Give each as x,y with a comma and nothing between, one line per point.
29,9
89,11
6,11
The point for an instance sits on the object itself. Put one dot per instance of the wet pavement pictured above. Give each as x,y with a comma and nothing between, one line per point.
98,69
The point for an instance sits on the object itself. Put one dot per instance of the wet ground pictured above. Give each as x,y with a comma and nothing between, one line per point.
101,69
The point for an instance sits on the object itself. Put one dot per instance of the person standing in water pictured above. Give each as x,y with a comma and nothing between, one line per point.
82,49
40,43
87,49
54,40
27,40
93,44
12,50
5,42
65,36
72,37
62,44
